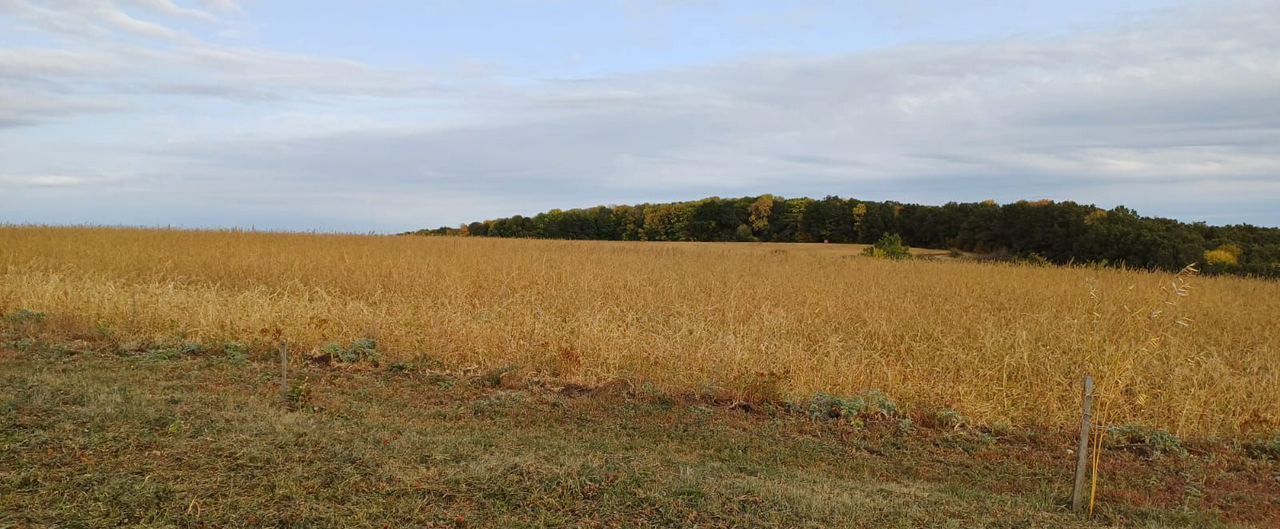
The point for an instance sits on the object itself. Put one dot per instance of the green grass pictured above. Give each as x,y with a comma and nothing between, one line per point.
92,439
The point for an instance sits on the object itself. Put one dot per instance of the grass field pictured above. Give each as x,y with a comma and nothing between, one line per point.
999,344
93,439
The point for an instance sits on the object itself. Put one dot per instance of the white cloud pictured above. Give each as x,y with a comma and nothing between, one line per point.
88,19
1178,110
167,7
48,180
222,5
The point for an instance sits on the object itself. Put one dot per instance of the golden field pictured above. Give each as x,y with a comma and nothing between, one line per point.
999,343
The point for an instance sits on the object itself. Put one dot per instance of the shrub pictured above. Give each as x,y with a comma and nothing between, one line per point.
888,247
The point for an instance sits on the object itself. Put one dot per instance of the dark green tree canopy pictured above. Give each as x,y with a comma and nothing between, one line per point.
1058,232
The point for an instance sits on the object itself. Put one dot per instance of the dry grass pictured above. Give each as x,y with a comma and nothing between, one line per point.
733,321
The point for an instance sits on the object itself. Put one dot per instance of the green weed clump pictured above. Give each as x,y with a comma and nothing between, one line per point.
856,409
950,419
166,352
1145,441
362,350
236,352
1264,449
298,396
25,317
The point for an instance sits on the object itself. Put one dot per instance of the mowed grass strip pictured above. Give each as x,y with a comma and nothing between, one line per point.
1199,356
98,440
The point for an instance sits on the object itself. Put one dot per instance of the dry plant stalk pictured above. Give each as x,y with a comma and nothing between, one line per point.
744,321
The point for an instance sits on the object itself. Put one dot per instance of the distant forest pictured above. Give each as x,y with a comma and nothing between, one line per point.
1057,232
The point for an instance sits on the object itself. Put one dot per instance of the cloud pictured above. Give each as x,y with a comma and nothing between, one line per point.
104,52
1178,101
1178,111
222,5
21,108
44,63
167,7
49,180
90,19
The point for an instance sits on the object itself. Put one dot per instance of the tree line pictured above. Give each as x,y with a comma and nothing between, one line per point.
1057,232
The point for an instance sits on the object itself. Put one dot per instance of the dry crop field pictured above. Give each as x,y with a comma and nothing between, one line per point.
1199,356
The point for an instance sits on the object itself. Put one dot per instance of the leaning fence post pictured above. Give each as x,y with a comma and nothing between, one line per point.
1082,452
284,372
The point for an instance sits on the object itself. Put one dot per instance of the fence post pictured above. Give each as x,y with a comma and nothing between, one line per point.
1082,452
284,372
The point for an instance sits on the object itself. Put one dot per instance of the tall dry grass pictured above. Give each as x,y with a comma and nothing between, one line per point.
749,321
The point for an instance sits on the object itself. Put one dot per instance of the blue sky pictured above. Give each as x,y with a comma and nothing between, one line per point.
389,116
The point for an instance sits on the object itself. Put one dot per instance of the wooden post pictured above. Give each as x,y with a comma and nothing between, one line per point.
1082,452
284,372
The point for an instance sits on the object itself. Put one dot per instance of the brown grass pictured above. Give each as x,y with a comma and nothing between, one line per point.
1195,355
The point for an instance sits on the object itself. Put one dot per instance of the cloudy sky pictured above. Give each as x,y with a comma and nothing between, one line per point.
388,116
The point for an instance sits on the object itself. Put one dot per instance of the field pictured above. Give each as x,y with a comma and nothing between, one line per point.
466,382
104,440
727,323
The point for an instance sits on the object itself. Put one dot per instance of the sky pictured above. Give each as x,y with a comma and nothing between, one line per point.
387,116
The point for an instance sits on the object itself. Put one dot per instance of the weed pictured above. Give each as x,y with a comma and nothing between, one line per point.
856,409
442,381
25,317
950,419
1033,259
1264,448
497,404
165,354
969,441
362,350
235,352
650,392
298,396
27,345
132,347
1000,428
496,377
1145,441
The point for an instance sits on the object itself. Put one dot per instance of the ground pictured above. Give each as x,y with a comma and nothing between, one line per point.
99,439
